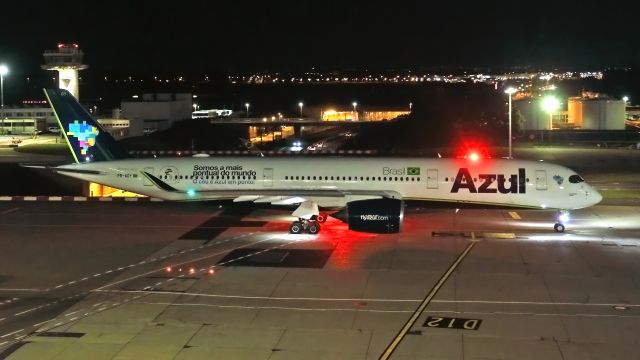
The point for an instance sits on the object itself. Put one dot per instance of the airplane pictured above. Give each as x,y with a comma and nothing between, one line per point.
369,191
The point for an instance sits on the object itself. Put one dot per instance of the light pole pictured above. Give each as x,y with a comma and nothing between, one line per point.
410,106
3,71
300,104
355,105
550,104
510,91
247,106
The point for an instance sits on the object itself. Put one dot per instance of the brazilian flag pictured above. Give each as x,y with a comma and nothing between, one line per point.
413,171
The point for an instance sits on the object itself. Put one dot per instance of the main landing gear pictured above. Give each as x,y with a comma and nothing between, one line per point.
562,217
312,226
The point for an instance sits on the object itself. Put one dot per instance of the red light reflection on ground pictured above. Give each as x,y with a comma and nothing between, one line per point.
348,244
410,224
277,226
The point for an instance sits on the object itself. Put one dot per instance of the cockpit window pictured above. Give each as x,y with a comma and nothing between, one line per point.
574,179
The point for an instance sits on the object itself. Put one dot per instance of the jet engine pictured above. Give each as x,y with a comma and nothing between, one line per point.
381,216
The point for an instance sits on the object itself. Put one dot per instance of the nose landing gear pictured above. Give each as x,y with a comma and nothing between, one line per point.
562,217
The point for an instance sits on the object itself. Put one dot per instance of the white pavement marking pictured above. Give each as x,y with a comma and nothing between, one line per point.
9,211
20,289
11,333
276,307
25,312
42,323
182,263
140,263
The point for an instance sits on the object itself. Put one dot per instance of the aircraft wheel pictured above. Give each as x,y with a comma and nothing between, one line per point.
558,227
321,218
314,228
295,228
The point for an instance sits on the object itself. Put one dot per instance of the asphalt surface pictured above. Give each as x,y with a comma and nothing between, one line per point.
195,281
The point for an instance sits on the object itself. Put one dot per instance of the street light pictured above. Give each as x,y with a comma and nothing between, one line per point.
625,99
355,104
247,106
300,104
410,106
550,104
510,91
4,70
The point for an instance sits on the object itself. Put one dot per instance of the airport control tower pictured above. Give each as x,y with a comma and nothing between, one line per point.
67,60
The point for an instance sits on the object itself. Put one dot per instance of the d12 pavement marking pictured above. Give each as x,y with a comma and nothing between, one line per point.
425,302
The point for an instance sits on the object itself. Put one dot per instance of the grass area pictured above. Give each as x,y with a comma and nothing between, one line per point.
44,149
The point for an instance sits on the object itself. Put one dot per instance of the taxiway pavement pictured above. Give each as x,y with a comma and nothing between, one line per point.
199,281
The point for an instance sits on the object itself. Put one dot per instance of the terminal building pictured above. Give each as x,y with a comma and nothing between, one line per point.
33,115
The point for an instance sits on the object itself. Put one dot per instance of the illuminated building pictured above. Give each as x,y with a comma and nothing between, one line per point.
596,112
33,111
362,114
66,60
118,128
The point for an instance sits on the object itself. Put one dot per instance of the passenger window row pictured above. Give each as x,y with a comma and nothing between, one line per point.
217,177
353,178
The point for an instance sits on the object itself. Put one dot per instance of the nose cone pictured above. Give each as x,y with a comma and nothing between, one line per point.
594,196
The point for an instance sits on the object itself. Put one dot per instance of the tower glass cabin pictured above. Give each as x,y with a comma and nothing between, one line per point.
67,61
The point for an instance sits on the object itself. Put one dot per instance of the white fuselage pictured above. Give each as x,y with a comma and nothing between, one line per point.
507,182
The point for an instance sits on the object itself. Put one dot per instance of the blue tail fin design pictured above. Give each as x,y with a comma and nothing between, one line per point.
87,140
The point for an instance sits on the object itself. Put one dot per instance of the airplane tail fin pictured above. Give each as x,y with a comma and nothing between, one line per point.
87,140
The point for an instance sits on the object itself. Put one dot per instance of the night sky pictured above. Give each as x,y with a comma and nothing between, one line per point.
142,37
